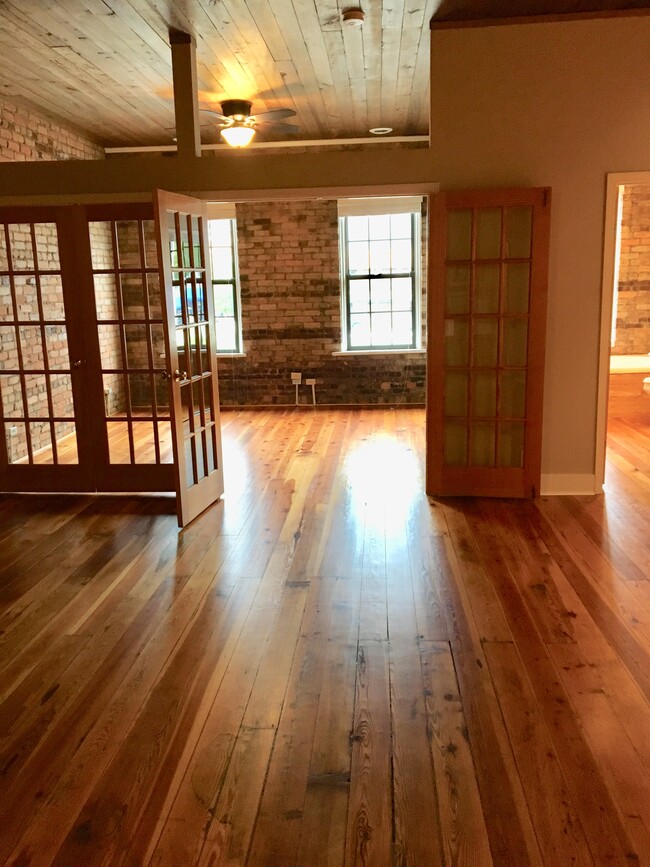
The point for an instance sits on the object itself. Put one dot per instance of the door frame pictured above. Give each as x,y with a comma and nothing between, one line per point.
611,243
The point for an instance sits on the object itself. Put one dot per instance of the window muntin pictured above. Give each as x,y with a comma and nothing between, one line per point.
379,257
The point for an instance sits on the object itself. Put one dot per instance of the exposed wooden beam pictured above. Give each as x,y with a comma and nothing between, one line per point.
186,99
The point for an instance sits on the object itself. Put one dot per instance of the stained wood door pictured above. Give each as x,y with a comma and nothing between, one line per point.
191,349
42,376
486,338
83,402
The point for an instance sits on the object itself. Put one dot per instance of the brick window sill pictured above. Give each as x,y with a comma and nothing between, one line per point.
231,355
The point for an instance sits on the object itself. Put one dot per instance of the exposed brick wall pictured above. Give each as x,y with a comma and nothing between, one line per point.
633,310
291,316
26,135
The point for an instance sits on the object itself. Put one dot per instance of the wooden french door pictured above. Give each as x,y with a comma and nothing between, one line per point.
107,363
486,337
83,402
182,229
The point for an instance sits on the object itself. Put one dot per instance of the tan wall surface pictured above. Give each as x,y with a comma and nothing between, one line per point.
561,105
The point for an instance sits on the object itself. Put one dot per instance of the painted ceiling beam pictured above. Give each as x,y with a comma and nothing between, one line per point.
132,178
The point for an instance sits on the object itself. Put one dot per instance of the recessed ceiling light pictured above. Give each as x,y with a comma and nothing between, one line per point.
381,130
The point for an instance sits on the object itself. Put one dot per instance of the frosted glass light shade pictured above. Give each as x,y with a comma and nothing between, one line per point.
238,136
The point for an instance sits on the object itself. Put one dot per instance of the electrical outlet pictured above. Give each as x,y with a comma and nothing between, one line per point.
13,431
296,378
310,382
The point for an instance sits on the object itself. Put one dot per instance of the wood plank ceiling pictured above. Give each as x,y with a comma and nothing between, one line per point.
104,66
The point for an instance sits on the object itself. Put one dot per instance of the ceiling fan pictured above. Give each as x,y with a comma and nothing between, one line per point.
238,124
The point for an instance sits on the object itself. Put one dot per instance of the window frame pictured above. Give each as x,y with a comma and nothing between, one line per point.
415,275
236,288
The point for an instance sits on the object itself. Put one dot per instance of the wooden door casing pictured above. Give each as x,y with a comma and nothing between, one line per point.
442,478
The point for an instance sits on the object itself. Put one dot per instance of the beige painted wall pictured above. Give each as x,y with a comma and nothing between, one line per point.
559,105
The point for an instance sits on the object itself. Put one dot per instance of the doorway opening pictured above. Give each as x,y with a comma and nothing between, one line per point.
624,390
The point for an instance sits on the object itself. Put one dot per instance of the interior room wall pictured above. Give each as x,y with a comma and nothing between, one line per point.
633,289
291,316
557,104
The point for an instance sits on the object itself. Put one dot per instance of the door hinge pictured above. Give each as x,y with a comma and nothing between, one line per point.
533,492
545,198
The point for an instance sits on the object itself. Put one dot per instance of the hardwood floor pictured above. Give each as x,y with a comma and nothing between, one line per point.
326,668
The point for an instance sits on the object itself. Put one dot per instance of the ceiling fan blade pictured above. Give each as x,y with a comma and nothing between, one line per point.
216,114
279,127
276,114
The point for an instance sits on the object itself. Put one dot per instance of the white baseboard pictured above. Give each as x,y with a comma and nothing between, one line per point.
555,484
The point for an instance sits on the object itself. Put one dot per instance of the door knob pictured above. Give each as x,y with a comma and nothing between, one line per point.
180,375
78,362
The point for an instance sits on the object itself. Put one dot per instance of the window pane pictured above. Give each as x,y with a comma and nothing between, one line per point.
486,292
358,258
20,244
360,329
220,233
402,329
402,293
456,392
381,329
482,445
511,444
52,296
401,256
222,264
47,246
226,335
224,300
517,283
519,231
379,227
484,393
459,234
380,257
359,296
357,228
380,295
455,444
456,342
515,337
488,233
400,226
457,289
128,243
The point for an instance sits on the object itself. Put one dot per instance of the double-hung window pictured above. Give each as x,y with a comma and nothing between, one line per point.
222,241
380,244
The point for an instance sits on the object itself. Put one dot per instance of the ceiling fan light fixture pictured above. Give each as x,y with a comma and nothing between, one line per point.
237,109
353,17
238,135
